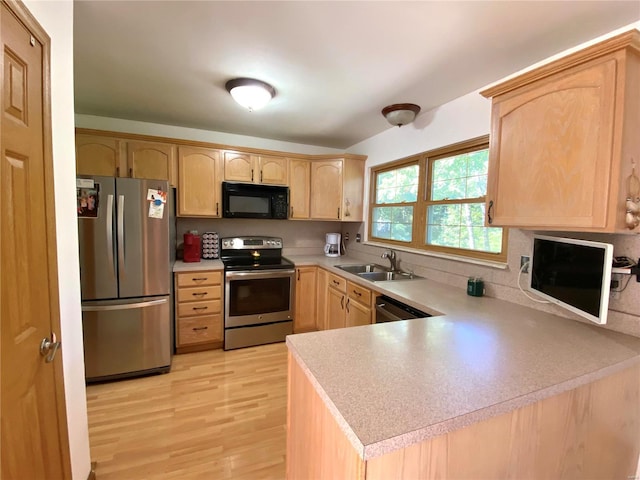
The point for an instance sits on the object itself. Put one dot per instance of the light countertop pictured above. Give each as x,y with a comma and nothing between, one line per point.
393,384
180,266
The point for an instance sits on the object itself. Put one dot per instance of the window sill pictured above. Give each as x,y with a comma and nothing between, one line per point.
446,256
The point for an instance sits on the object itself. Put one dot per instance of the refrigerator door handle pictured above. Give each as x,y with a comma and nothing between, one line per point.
110,234
121,257
124,306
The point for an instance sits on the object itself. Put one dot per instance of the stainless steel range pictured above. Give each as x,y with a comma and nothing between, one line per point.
259,291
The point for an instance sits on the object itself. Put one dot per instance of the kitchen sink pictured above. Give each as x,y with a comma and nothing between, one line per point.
364,268
385,276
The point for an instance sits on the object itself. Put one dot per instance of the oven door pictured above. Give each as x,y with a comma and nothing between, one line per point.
258,297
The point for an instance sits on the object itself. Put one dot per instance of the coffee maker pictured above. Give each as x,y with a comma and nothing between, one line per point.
332,246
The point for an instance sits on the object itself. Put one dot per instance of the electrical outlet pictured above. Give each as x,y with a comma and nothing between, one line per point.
524,259
346,236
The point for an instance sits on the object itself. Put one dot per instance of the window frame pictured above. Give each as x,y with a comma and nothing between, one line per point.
425,162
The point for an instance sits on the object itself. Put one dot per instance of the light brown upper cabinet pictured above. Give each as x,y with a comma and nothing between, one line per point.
299,188
248,168
151,160
563,141
98,155
337,189
115,157
199,173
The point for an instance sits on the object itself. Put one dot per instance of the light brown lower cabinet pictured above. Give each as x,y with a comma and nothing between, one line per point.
588,432
199,318
321,299
348,304
304,315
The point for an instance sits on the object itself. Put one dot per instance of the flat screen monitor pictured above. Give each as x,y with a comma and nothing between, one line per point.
574,274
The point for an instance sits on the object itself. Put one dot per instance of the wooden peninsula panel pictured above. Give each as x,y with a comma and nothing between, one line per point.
316,446
588,432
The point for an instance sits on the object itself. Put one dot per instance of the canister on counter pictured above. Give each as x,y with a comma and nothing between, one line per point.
475,287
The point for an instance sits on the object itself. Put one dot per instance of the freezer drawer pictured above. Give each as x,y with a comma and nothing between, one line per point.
126,338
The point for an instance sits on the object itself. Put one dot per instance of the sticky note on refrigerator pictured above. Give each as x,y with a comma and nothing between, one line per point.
156,196
156,211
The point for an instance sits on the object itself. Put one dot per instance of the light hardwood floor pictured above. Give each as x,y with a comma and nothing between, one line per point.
216,415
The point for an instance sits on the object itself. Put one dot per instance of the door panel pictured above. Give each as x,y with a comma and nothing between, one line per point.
33,415
143,243
96,236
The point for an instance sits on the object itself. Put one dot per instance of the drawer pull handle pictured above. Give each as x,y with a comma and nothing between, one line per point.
199,279
199,328
200,308
200,294
335,282
357,293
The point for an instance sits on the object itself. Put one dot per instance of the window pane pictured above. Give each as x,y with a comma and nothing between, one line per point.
476,186
462,226
461,176
394,223
397,186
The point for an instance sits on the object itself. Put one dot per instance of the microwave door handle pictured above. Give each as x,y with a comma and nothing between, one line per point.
121,252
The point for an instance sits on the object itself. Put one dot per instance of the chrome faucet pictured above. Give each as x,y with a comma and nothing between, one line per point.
391,256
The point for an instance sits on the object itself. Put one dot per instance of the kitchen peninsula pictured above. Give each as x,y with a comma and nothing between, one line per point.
488,389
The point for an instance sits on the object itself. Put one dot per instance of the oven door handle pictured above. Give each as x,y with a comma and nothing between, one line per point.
260,274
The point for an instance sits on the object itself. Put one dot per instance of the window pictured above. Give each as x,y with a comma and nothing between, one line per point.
449,216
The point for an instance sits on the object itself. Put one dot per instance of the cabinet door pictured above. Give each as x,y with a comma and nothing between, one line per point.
304,319
199,182
357,313
97,155
326,190
299,188
151,160
335,309
551,151
273,170
321,300
239,167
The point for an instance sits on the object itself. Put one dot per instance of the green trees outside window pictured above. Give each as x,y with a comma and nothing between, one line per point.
450,216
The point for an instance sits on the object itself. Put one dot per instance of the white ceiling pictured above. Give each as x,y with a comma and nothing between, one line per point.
334,64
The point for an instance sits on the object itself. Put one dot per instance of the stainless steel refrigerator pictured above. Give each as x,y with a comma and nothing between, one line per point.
123,227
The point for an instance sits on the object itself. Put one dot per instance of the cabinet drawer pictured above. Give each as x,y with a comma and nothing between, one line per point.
207,328
359,294
199,293
199,308
337,282
196,279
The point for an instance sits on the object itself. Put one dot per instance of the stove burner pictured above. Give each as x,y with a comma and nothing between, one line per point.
253,253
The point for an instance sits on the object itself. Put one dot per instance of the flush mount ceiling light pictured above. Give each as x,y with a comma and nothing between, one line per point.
250,93
400,114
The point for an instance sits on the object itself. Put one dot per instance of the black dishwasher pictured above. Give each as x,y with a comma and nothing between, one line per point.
390,310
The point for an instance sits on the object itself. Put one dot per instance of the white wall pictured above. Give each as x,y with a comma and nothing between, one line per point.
171,131
56,17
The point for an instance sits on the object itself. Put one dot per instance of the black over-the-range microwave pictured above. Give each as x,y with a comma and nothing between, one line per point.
246,200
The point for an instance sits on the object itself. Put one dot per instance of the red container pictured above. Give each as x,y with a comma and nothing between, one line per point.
191,247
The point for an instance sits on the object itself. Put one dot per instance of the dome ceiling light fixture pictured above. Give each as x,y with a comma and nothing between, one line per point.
250,93
400,114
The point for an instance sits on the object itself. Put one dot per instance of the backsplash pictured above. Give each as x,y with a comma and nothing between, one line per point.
299,238
624,311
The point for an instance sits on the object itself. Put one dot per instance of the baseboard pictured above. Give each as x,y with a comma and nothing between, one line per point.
92,473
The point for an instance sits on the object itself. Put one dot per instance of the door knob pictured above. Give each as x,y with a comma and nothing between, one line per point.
48,348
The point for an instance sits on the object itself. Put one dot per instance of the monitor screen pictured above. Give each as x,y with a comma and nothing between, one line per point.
575,274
